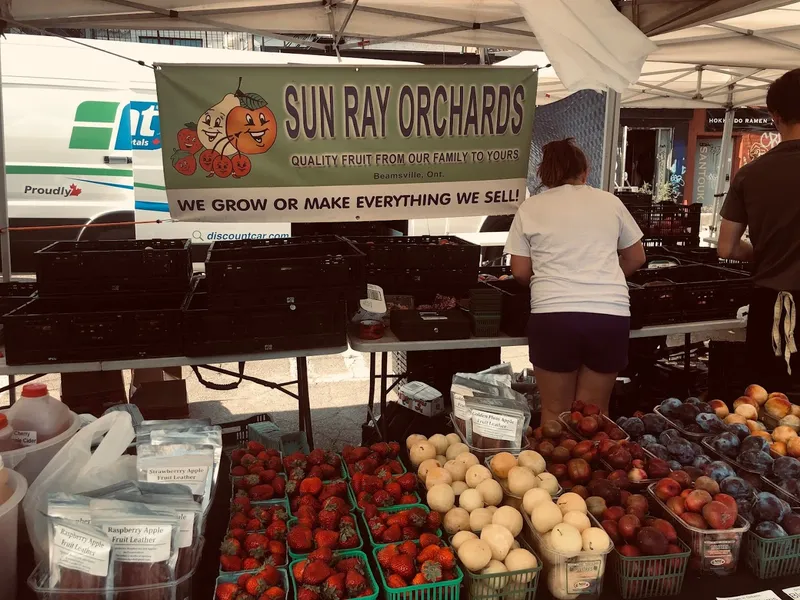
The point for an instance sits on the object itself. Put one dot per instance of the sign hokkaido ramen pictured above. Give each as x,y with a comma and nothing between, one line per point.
343,143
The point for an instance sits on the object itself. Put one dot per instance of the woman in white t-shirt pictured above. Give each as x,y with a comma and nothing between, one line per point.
574,245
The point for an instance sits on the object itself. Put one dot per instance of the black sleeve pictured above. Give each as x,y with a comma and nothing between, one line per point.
734,208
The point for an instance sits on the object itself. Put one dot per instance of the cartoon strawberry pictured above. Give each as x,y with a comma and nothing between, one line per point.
187,139
184,162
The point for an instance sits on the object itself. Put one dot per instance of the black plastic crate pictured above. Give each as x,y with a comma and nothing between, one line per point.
437,367
686,293
242,329
682,241
419,252
423,285
125,266
14,294
319,262
516,306
90,328
631,199
703,255
668,220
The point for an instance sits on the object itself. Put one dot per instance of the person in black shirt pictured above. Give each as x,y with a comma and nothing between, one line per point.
765,197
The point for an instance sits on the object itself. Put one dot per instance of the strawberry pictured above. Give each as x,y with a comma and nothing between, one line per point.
394,448
350,564
316,572
395,467
262,492
241,504
324,554
370,510
251,564
417,517
386,554
248,460
267,475
384,473
328,472
306,512
371,484
256,585
381,449
408,499
355,583
446,558
334,488
395,581
255,447
329,518
226,591
334,587
393,534
253,525
419,579
231,547
410,533
238,521
256,469
311,485
407,482
408,547
237,534
428,539
255,544
433,521
376,528
238,471
382,498
230,563
236,456
298,569
297,474
271,575
243,579
300,539
308,593
403,565
428,553
394,490
311,501
277,530
432,571
336,503
324,538
317,457
348,537
364,500
273,593
274,463
279,485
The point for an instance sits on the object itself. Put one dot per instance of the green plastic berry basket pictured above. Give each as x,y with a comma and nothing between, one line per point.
293,521
230,577
443,590
650,576
392,509
768,558
344,554
361,510
512,585
350,498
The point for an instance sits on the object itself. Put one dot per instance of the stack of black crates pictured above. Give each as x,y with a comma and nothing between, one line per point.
102,300
274,295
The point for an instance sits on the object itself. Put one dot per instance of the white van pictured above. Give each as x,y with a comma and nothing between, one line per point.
83,143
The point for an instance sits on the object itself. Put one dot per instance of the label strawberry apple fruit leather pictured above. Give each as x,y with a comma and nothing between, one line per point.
145,544
80,559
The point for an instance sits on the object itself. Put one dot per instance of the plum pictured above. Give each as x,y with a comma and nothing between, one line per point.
710,423
654,423
760,462
659,451
701,461
726,443
621,421
786,467
791,523
705,408
670,405
791,486
719,470
667,435
647,439
768,507
674,465
768,529
754,443
693,400
634,427
681,450
740,430
697,448
694,428
687,413
737,487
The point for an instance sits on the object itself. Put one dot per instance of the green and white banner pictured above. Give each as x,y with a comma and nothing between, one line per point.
343,143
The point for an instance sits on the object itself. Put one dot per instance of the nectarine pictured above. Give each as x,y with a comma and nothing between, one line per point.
697,500
793,447
744,400
778,407
778,448
757,393
748,411
720,408
734,418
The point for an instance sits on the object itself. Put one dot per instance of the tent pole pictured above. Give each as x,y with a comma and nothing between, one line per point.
725,163
610,140
5,236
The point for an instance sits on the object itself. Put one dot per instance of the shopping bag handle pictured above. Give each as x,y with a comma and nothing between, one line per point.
220,387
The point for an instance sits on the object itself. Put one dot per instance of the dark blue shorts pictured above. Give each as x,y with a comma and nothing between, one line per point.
562,342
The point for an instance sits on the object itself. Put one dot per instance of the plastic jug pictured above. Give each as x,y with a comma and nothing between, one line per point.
7,441
37,416
6,491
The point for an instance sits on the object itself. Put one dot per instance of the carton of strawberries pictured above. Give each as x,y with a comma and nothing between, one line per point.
417,563
332,526
384,490
373,460
264,485
266,584
386,527
324,575
243,551
252,458
313,492
259,517
320,464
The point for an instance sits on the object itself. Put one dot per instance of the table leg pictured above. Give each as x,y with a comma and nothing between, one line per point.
384,391
304,400
687,353
371,400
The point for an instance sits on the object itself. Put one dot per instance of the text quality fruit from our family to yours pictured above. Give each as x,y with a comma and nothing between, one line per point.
381,159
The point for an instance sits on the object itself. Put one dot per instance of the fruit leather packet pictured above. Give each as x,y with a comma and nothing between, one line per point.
214,432
69,507
144,540
466,385
138,488
183,457
81,559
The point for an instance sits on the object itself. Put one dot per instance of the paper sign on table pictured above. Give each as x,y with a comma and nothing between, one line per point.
793,592
765,595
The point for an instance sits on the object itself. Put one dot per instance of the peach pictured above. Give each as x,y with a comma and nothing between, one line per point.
783,433
757,393
763,434
793,447
720,408
748,411
778,448
734,418
744,400
754,426
796,410
697,500
777,407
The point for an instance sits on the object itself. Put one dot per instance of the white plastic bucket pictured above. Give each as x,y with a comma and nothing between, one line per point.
30,461
9,515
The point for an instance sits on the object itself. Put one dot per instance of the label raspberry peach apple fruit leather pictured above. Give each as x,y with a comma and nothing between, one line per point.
80,551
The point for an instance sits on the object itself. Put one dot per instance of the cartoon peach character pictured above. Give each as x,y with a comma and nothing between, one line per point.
252,128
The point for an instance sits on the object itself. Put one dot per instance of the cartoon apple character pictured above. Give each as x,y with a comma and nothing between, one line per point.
252,130
187,139
211,126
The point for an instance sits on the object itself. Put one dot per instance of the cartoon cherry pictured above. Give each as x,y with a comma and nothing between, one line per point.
184,162
223,166
187,139
241,165
207,159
